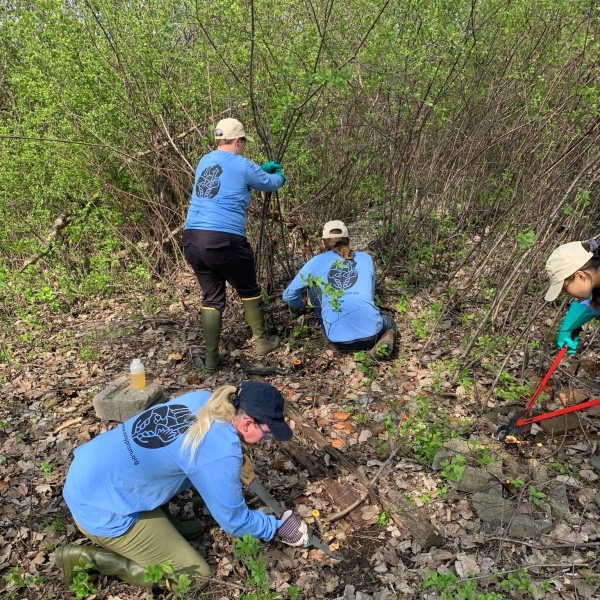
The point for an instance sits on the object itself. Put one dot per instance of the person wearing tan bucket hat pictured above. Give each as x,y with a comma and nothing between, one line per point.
214,238
575,269
341,288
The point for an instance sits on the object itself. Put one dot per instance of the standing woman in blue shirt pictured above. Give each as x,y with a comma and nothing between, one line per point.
119,484
214,239
341,288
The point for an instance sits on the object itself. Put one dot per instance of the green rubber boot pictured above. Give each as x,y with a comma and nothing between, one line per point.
211,327
256,320
104,561
188,529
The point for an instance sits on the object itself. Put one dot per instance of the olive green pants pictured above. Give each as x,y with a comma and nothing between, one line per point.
153,540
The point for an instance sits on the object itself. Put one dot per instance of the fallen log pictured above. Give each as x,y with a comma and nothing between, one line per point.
407,517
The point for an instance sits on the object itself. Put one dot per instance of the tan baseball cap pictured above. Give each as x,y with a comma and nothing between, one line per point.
564,262
230,129
334,225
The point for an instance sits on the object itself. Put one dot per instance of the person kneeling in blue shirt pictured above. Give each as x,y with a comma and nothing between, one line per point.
341,288
119,484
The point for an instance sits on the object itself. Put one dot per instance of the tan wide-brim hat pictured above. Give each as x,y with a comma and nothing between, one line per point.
230,129
564,262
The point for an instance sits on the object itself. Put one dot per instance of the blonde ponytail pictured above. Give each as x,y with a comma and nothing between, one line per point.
218,408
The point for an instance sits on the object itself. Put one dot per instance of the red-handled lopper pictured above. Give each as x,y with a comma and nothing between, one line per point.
519,421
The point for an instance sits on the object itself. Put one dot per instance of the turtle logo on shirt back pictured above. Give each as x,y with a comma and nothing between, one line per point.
160,426
208,183
343,274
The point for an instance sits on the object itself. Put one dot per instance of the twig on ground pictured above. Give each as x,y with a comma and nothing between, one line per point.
354,505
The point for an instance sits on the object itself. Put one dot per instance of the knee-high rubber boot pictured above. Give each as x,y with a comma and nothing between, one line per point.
104,561
188,529
211,327
256,320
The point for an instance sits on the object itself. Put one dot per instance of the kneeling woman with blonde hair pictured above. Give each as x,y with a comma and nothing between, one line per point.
119,484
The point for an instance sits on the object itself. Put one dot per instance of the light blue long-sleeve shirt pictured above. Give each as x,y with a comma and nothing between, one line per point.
222,191
353,314
140,465
587,303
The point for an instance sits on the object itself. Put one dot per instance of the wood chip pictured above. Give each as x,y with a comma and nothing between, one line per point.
68,424
341,416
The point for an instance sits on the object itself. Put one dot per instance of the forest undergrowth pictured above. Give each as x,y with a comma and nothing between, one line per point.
462,136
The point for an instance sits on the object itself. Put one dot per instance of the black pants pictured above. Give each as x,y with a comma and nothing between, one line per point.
218,257
316,299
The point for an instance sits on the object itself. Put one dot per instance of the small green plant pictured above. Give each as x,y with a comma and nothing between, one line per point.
367,366
565,469
382,446
383,517
156,573
56,526
449,587
88,354
299,331
82,582
483,457
247,549
426,431
536,496
520,581
3,425
511,389
46,468
361,419
525,240
403,304
518,482
15,582
6,354
453,469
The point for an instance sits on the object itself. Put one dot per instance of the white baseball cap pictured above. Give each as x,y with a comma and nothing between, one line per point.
564,262
331,226
230,129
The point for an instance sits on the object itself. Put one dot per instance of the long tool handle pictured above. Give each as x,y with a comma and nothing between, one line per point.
544,381
522,422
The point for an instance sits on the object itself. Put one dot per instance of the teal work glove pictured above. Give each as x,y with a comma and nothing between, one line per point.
271,167
279,171
577,315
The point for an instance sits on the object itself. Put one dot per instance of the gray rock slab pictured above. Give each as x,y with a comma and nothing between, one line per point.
530,526
556,498
459,446
118,402
493,510
474,480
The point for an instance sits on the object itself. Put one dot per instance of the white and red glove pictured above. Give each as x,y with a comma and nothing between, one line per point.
293,531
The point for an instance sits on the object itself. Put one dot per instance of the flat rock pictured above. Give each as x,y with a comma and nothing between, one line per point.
559,425
493,510
473,480
529,526
118,402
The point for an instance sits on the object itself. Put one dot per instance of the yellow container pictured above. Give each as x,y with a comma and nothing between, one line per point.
138,374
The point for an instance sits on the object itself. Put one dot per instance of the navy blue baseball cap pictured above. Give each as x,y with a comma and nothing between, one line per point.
263,402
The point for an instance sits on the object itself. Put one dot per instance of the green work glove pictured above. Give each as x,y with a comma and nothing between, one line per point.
271,167
577,315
